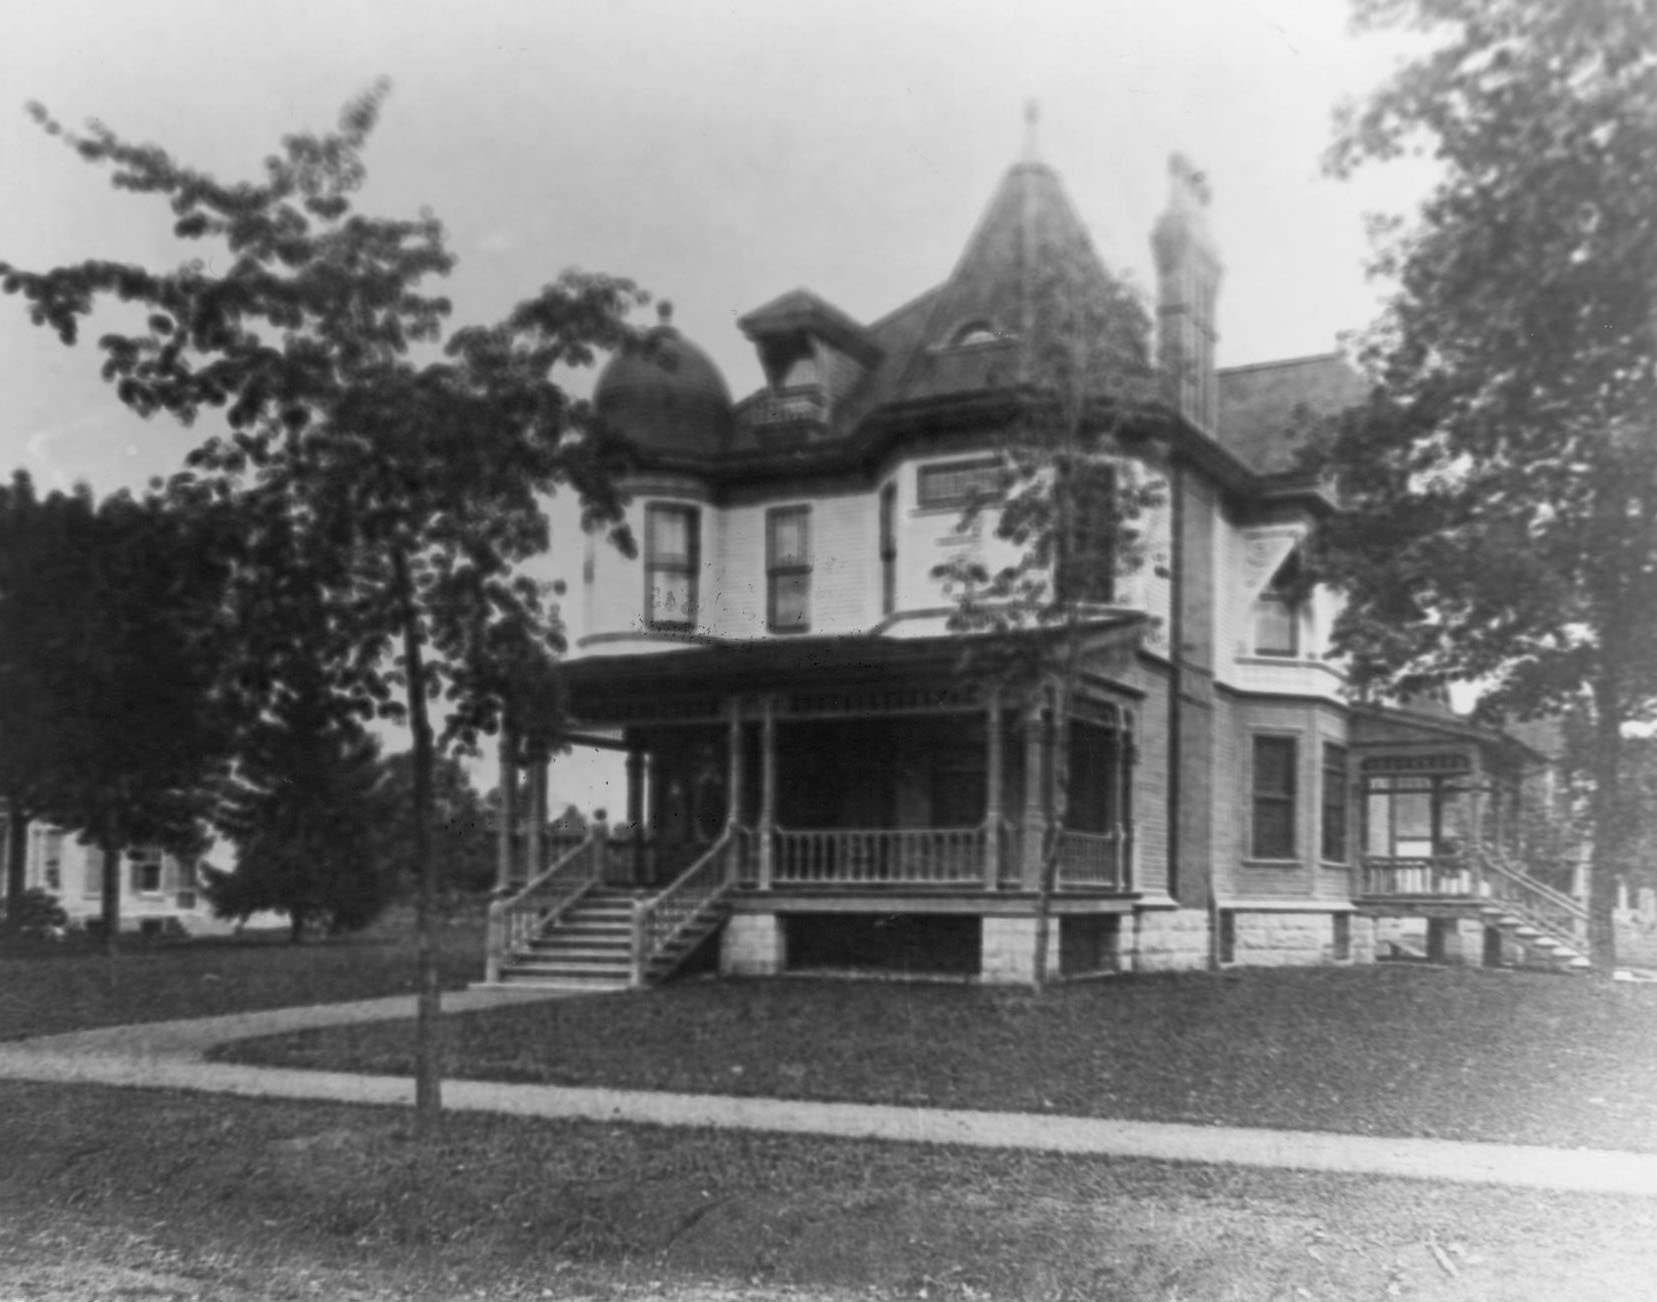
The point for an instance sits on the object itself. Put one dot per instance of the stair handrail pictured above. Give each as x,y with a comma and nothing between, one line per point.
514,918
659,920
1531,892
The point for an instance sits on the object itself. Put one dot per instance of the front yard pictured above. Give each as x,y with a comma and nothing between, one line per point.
1462,1054
70,988
112,1194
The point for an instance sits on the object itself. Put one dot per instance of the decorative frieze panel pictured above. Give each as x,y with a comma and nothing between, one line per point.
883,700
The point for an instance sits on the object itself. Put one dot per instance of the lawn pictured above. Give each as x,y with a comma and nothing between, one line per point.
67,987
126,1193
1387,1050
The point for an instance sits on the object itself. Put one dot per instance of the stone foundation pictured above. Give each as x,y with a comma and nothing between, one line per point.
1296,939
1363,939
1008,953
753,944
1168,940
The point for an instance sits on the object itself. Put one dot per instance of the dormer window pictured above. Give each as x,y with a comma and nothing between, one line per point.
976,332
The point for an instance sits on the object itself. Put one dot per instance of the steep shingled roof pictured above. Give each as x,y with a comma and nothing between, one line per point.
994,284
1261,406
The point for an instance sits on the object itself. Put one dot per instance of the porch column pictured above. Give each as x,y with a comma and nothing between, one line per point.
992,782
736,858
767,788
536,838
1123,822
635,813
507,840
733,763
1035,787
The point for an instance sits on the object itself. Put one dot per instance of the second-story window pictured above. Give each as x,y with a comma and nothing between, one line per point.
956,483
788,569
1086,569
888,549
671,560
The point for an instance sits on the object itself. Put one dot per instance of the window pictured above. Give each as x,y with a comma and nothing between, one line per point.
1275,761
956,483
888,549
1333,847
1088,569
1276,625
1410,817
146,871
976,332
788,569
672,557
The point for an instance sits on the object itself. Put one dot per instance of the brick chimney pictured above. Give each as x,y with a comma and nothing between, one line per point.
1188,281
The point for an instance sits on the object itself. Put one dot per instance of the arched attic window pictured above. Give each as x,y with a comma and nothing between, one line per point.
977,331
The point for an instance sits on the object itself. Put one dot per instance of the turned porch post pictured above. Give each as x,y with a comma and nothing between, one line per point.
536,839
992,795
767,789
1124,799
506,844
733,790
1035,784
635,814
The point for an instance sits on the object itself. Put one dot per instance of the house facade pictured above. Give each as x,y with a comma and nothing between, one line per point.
159,892
823,774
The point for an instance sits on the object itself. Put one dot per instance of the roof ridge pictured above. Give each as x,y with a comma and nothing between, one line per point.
1335,355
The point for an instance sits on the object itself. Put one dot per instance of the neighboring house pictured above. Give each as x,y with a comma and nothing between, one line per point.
821,774
158,891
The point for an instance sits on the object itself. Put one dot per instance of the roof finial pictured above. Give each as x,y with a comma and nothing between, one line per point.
1032,123
664,311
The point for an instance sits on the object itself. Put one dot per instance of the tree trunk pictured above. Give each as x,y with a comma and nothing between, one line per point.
296,926
111,852
16,849
428,1064
1607,822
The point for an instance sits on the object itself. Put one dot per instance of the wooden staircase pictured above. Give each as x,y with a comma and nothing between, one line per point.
569,929
1542,947
589,947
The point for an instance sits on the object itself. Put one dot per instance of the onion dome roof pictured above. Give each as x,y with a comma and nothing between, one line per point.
666,394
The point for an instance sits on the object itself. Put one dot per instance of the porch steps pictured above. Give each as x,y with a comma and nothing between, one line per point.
591,946
1541,948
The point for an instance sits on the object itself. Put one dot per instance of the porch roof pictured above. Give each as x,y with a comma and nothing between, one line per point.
757,665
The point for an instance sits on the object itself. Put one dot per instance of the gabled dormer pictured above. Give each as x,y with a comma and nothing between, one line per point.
814,356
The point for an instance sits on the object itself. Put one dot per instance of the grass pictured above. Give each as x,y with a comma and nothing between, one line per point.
67,987
1391,1050
131,1193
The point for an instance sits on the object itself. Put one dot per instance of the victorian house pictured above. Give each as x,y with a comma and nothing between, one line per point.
823,775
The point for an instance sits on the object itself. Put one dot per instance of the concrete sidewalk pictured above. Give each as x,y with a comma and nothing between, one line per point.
169,1055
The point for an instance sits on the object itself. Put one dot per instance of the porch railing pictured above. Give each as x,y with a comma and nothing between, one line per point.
518,918
1091,860
1451,876
1550,911
926,856
662,919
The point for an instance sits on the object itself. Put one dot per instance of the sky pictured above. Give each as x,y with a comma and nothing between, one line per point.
717,152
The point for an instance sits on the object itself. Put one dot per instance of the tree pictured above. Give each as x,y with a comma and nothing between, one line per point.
305,808
463,839
1501,485
108,663
415,483
1071,499
31,536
